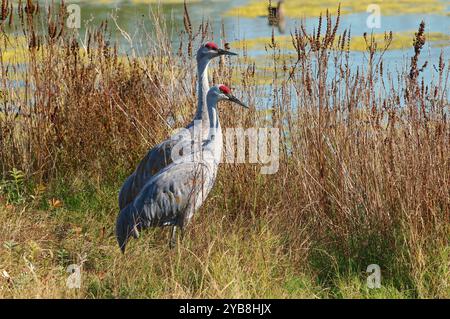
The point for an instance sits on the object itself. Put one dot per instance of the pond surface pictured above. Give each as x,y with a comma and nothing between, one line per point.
246,19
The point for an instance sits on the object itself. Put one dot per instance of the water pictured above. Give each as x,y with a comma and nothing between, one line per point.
130,15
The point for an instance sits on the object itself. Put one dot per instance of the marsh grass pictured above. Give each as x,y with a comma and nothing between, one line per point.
363,177
400,41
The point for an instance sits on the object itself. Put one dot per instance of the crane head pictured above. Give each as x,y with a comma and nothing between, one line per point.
223,93
210,51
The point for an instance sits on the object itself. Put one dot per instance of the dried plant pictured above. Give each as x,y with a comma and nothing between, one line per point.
364,166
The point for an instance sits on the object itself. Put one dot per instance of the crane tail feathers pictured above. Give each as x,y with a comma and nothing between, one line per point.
126,226
121,232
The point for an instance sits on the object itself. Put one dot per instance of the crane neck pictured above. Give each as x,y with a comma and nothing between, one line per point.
215,129
202,89
213,143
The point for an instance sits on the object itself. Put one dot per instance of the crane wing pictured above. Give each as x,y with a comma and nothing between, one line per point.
156,159
168,198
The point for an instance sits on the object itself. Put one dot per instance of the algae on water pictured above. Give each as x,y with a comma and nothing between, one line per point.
313,8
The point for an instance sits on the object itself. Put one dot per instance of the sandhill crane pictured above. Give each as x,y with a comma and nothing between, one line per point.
159,156
171,197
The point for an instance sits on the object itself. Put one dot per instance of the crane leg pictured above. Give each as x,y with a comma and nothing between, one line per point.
173,237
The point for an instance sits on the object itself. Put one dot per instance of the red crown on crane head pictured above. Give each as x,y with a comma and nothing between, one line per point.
211,46
224,89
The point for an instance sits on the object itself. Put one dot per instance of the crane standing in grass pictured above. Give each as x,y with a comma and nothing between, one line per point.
160,156
171,197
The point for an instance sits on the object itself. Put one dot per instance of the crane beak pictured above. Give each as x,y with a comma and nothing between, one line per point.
225,52
234,99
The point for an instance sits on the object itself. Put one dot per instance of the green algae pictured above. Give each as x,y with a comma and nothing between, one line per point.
312,8
401,40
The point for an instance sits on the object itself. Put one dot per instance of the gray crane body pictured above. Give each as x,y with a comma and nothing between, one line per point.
172,195
160,156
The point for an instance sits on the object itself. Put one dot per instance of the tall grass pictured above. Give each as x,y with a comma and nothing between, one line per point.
364,169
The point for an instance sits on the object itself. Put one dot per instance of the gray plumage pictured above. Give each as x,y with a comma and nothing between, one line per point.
169,199
172,195
155,160
160,156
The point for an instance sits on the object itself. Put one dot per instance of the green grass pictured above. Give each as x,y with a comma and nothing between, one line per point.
362,176
219,256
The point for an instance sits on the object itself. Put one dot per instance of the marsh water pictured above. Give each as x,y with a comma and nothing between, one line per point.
402,18
131,13
247,20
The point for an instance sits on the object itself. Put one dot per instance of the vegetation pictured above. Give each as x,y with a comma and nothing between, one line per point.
363,179
399,41
312,8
